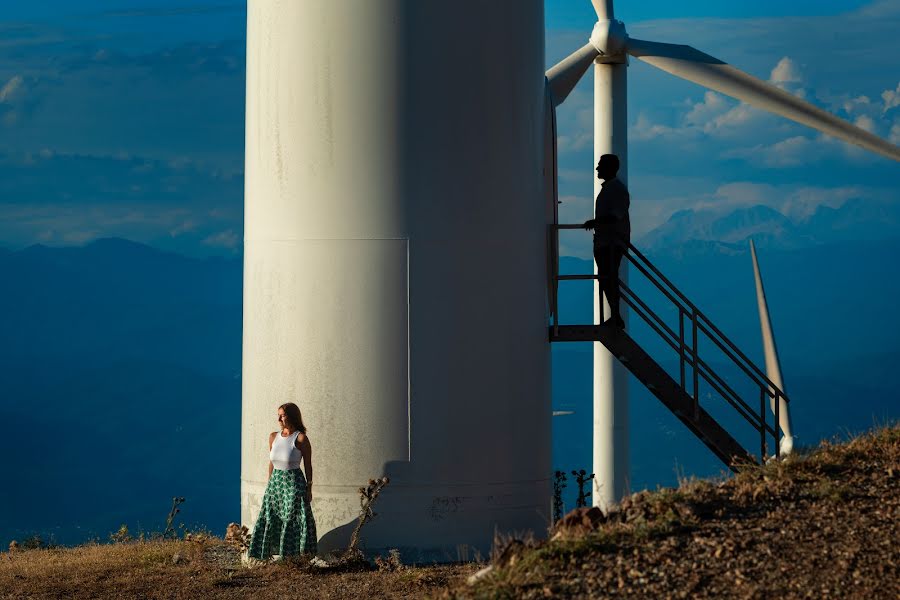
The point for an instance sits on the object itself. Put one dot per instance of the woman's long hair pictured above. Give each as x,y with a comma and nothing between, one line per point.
293,417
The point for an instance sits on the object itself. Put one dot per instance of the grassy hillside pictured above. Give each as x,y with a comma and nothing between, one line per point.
821,526
825,526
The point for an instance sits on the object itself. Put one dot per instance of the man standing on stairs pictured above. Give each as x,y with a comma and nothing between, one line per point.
612,233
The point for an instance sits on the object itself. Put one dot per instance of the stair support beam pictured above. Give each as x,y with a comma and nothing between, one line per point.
664,387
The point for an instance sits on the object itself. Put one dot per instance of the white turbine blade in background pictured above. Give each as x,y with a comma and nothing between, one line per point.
773,366
565,75
691,64
604,9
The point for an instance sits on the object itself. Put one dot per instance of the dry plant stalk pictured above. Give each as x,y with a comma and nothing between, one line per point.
392,562
582,478
237,536
559,484
170,530
121,536
367,497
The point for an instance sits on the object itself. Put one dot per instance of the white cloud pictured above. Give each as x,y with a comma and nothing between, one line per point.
717,115
865,122
223,239
79,237
880,8
704,113
795,202
868,114
741,193
798,203
580,140
786,71
737,117
743,116
891,98
644,129
842,84
802,203
67,223
791,152
575,120
10,88
183,227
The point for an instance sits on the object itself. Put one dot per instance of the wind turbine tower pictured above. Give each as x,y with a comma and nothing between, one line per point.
394,267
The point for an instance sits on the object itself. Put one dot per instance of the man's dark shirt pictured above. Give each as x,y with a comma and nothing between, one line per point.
613,201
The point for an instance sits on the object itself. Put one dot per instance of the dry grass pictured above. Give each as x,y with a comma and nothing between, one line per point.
150,570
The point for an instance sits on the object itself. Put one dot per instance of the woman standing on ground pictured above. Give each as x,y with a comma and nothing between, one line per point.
285,526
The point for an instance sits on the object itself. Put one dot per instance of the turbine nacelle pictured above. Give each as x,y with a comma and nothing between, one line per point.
609,37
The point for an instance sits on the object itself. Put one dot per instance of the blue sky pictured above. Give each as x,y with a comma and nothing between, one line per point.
125,118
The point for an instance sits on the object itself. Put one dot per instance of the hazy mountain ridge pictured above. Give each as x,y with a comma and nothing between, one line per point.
716,229
116,298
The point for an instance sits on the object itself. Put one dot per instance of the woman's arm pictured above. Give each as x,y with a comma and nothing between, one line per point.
306,451
271,441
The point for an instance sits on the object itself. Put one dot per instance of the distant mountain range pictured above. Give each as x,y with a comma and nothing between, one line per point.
689,231
120,372
114,299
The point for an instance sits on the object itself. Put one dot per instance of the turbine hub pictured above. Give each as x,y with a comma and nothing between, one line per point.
609,37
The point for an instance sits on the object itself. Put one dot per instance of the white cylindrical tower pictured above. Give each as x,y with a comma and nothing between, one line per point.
394,268
611,460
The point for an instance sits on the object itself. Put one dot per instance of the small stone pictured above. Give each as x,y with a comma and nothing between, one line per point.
479,575
176,558
581,521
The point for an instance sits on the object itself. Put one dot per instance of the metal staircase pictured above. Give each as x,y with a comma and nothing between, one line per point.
680,395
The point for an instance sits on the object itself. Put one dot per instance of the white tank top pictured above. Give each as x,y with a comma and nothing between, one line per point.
284,454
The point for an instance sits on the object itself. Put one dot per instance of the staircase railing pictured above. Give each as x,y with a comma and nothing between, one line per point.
692,323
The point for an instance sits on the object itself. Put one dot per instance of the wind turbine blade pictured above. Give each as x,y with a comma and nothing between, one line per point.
691,64
773,365
565,74
604,9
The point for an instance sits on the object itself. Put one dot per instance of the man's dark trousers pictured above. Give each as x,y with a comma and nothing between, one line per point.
609,257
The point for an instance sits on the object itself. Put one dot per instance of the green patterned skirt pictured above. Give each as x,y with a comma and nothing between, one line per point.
285,525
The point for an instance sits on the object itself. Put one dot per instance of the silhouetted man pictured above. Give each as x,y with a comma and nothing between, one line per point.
612,233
